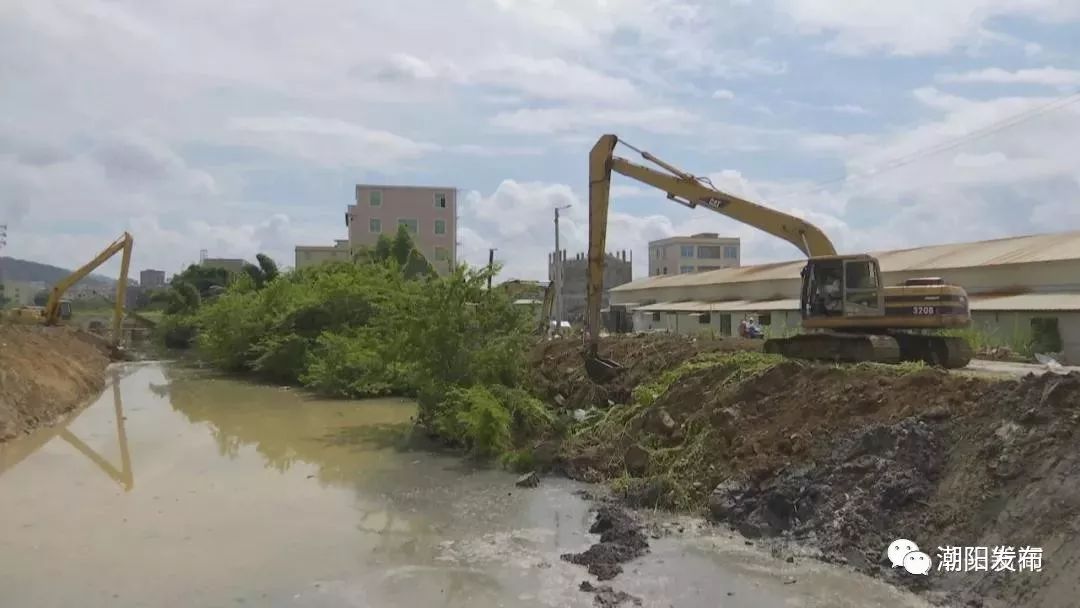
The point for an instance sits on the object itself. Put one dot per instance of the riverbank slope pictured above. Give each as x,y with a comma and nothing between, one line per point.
838,460
44,373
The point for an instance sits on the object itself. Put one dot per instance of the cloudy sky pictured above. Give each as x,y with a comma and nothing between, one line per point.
242,126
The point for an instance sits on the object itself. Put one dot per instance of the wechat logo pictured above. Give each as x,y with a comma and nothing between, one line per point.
905,554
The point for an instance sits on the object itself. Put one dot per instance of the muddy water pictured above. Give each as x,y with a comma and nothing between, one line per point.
180,489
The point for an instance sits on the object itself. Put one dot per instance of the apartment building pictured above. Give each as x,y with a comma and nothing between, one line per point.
310,255
429,214
694,253
150,278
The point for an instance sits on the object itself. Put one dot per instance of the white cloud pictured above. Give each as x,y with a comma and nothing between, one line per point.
331,141
916,27
508,219
850,108
723,94
1050,76
559,120
223,133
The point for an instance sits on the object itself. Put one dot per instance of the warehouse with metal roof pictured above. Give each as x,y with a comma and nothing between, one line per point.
1024,292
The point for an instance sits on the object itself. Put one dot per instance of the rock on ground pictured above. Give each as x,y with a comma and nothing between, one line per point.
621,540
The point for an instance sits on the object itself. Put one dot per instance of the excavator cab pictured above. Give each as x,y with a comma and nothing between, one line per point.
841,286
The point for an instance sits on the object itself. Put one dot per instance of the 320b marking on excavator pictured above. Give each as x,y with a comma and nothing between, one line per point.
847,314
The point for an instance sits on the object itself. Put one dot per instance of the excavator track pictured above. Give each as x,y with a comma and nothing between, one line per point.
838,347
939,351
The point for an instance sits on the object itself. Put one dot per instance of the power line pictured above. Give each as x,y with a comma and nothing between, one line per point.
976,135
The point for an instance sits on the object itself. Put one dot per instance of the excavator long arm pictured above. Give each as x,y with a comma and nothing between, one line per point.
687,190
124,243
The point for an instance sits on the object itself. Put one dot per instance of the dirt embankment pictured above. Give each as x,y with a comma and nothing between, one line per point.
846,459
45,372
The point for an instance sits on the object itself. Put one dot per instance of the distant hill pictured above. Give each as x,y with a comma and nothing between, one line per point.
14,269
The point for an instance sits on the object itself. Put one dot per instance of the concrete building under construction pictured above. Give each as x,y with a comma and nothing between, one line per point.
618,270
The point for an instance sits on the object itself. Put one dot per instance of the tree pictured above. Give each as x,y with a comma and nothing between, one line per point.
256,274
268,266
183,299
203,278
382,248
402,247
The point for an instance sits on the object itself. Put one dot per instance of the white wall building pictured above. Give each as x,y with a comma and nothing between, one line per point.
1015,284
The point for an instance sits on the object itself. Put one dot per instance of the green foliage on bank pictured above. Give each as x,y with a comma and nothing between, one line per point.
384,324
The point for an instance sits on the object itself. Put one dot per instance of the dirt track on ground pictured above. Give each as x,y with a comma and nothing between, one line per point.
44,373
845,459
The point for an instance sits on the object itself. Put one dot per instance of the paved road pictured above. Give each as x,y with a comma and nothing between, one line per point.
1008,368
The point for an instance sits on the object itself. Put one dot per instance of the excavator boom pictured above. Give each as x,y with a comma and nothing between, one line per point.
687,190
859,319
124,243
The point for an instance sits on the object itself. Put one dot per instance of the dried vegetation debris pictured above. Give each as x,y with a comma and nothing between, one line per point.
847,458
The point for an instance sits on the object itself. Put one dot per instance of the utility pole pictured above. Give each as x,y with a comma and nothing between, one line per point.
3,243
557,275
491,265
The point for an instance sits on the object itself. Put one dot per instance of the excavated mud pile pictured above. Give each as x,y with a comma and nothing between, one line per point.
45,372
558,373
845,459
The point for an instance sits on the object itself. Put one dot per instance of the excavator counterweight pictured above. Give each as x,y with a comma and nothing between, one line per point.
847,314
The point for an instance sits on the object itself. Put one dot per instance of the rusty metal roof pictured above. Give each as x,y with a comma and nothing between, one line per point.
1012,250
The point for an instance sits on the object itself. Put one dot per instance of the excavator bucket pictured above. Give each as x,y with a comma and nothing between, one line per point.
601,370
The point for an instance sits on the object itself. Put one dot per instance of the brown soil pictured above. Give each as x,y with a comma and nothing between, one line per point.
847,459
44,373
559,373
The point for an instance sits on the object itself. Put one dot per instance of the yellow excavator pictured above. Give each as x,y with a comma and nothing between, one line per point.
847,314
57,308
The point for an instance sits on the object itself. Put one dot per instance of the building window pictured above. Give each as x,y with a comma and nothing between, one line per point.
413,226
710,251
656,317
665,269
440,226
704,318
440,200
731,252
707,268
765,319
659,252
375,198
375,225
686,251
686,269
347,216
725,325
441,254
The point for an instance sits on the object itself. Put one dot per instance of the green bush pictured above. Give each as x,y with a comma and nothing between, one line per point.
474,418
382,324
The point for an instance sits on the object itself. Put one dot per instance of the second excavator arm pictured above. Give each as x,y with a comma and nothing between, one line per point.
124,243
687,190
